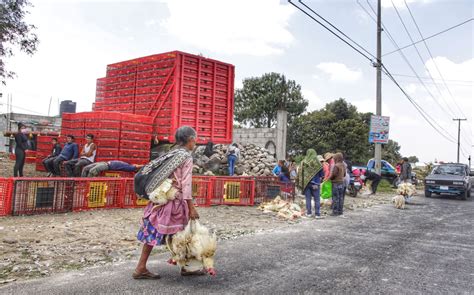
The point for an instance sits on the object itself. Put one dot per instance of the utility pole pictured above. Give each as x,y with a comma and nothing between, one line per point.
378,146
459,134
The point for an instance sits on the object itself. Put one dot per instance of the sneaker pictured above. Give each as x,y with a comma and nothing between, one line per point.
333,214
49,174
308,215
342,216
318,217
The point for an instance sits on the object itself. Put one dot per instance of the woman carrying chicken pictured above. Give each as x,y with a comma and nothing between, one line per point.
172,215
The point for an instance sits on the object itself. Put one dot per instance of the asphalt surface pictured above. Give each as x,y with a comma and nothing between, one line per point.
427,248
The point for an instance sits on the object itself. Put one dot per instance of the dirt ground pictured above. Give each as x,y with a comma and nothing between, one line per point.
6,168
35,246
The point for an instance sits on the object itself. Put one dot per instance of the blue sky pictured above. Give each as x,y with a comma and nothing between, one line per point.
79,38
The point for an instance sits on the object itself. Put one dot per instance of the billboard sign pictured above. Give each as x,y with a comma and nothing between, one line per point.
379,128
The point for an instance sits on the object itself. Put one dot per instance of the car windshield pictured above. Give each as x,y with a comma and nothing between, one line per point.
449,169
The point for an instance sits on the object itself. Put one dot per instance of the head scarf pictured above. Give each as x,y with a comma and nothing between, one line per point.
309,167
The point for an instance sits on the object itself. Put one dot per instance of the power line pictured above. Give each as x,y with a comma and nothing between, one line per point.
324,26
423,113
412,69
421,58
429,37
329,23
415,104
427,78
434,61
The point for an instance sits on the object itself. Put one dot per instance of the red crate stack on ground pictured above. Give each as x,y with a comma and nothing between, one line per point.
119,136
175,89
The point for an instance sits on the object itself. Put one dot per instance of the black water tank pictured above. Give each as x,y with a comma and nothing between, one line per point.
67,106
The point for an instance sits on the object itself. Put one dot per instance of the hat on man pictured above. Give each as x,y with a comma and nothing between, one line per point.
328,156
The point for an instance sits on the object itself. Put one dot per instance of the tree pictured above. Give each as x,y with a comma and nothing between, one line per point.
260,98
391,152
336,127
413,159
14,32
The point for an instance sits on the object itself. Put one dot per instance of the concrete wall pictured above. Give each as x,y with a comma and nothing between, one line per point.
34,122
262,137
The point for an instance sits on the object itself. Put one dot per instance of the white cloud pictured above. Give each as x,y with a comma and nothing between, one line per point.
315,102
340,72
232,27
400,4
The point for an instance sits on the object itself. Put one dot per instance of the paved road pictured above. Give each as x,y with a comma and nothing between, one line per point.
427,248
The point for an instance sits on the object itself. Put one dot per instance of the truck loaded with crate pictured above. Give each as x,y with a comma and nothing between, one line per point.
141,102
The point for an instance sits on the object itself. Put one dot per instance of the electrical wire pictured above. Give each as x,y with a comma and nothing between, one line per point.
415,104
329,23
413,70
421,58
332,32
429,37
434,61
424,114
427,78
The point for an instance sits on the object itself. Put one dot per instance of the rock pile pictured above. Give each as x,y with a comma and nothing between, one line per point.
254,161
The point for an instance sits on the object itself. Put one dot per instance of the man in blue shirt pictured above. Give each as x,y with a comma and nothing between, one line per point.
95,169
277,170
69,152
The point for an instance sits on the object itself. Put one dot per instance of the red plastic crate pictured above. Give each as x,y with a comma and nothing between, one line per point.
97,193
108,143
131,136
107,152
6,193
135,145
131,199
137,127
183,89
134,153
108,134
42,195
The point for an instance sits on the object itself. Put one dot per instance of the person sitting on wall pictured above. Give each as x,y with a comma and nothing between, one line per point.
95,169
69,152
55,151
277,169
74,166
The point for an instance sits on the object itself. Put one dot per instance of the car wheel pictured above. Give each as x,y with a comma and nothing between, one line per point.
427,194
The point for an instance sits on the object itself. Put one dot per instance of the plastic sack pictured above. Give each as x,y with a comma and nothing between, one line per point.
326,190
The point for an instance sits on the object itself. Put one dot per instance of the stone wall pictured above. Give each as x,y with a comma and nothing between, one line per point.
261,137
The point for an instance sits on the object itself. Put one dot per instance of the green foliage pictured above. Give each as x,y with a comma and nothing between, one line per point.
336,127
259,99
385,187
413,159
14,32
391,152
421,173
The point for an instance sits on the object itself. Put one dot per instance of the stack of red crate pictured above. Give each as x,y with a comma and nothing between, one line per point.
100,91
175,89
119,136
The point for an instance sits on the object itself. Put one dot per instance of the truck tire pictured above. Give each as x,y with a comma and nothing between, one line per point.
427,194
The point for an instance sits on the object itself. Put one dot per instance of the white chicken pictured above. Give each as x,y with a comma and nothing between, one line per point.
406,189
193,248
163,193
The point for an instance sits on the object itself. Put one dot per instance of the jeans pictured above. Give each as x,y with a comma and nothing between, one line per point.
74,167
19,162
56,165
231,161
338,198
310,193
92,170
